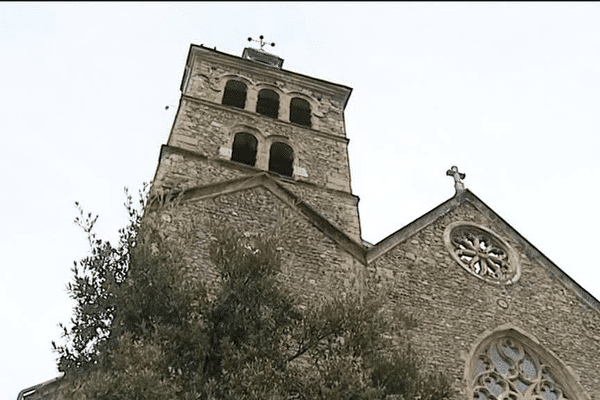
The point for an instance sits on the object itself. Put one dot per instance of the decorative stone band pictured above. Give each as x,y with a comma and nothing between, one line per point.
482,253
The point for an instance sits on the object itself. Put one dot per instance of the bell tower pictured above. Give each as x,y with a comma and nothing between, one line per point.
243,116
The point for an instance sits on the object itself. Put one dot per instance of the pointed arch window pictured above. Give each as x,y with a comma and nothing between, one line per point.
244,148
268,103
235,94
300,112
506,367
281,159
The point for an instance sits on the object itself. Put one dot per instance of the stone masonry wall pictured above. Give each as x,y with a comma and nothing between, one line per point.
209,77
181,170
209,129
313,265
338,207
454,307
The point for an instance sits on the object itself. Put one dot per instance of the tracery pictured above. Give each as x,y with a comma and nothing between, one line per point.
508,370
482,253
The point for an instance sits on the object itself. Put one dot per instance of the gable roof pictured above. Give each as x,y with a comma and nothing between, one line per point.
265,180
466,196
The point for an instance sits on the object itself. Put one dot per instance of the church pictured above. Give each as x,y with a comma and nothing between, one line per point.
251,141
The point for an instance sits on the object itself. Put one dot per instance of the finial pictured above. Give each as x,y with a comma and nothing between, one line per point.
261,41
458,184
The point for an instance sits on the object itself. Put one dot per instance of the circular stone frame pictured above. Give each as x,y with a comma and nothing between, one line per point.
487,249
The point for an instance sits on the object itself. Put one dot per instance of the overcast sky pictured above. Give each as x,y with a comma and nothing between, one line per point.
509,92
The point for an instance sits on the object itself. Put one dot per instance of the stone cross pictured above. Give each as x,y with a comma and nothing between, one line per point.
458,184
260,41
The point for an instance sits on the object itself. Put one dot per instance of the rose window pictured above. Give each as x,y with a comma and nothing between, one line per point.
482,253
506,370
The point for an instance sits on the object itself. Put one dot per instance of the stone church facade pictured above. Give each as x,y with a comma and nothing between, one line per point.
253,143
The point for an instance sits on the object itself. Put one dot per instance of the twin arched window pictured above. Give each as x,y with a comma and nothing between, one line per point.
281,156
268,103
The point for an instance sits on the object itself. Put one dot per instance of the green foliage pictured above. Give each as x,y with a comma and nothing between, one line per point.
250,311
145,328
96,280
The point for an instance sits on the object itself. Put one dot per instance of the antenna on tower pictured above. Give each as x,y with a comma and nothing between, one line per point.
261,37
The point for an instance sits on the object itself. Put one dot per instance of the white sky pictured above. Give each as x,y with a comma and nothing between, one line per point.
508,92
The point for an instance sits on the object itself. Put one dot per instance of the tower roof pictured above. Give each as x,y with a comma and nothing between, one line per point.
263,57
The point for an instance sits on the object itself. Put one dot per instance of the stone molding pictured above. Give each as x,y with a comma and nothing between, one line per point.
264,180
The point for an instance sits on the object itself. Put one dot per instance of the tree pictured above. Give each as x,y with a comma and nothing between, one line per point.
143,329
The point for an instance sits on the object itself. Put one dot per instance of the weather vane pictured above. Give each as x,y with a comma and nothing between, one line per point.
260,41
